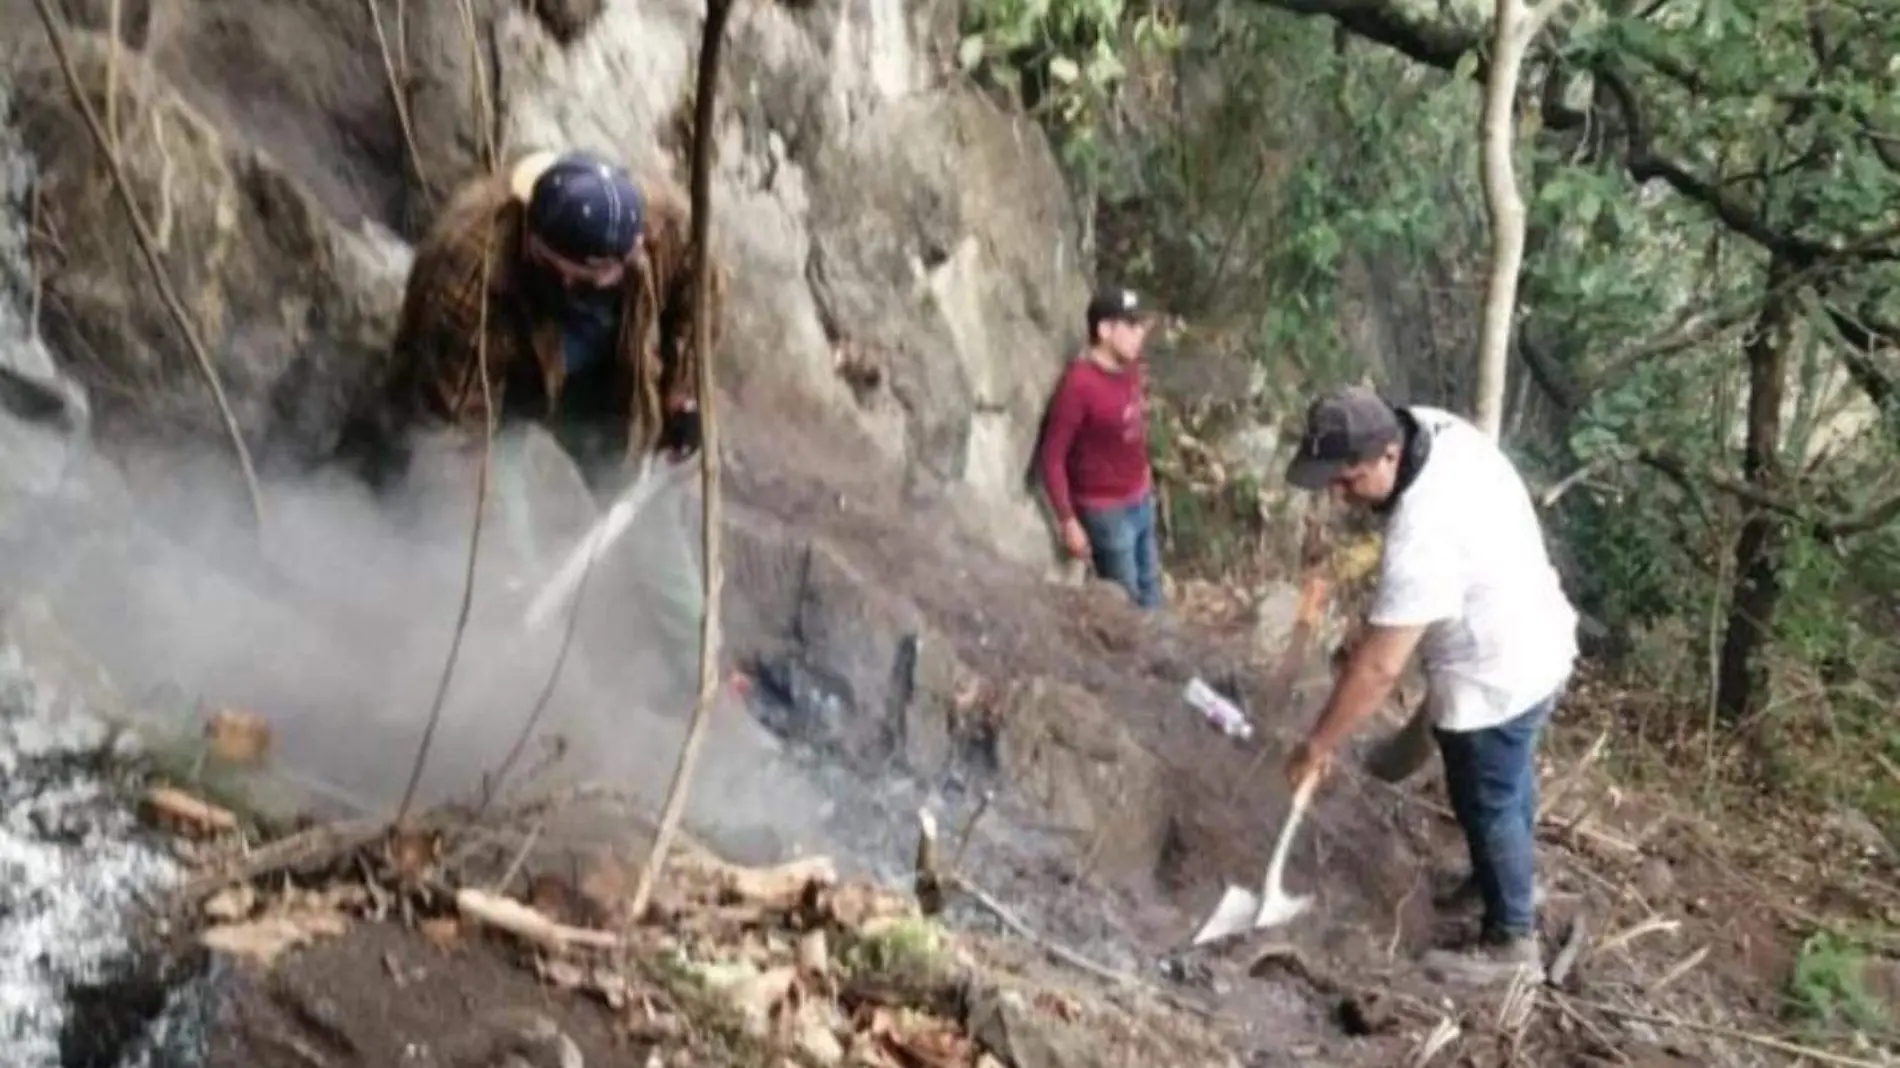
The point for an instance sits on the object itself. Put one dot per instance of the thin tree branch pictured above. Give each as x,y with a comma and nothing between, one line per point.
399,95
712,573
481,485
474,549
1423,33
149,250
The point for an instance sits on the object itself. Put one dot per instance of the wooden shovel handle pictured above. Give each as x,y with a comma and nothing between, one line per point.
1306,616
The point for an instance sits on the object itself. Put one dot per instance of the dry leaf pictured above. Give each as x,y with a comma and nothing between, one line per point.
817,1035
754,994
179,811
605,886
238,737
412,853
230,905
442,932
262,940
933,1047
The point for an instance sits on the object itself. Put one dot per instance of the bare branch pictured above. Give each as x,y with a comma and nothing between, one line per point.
711,570
474,550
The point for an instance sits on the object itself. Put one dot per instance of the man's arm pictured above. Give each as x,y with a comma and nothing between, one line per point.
1371,672
1419,585
1065,415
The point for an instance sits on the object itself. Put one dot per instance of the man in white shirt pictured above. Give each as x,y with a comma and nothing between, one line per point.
1465,579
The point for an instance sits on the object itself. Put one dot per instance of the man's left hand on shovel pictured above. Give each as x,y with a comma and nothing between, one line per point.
1309,759
1371,671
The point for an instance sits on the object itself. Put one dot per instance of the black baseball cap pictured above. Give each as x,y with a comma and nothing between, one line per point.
1343,428
584,208
1115,304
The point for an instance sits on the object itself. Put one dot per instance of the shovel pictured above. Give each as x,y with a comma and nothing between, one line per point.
1239,909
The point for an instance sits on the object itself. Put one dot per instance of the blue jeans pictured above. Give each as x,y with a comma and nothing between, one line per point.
1491,775
1122,542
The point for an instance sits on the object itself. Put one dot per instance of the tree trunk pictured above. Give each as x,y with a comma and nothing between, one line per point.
1513,28
1741,677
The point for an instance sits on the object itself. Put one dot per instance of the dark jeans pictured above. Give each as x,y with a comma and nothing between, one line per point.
1122,542
1491,775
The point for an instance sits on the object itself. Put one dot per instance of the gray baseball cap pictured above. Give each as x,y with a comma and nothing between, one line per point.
1345,427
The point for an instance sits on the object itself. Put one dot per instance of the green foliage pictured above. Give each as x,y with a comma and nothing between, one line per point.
1065,58
1829,985
1314,209
914,947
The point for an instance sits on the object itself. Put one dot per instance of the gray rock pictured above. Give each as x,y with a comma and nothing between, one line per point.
515,1040
293,305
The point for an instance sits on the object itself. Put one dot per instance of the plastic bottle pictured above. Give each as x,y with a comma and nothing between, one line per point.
1219,711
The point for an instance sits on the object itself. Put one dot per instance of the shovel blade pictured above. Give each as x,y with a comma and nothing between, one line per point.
1235,913
1279,910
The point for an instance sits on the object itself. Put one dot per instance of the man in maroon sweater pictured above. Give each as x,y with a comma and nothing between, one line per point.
1094,455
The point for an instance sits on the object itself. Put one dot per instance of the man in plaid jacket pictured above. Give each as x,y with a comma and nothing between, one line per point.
571,284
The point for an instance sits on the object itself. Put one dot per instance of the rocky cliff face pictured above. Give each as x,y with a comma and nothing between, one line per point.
905,284
907,278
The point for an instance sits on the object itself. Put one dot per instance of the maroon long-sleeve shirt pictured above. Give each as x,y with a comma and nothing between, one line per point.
1095,441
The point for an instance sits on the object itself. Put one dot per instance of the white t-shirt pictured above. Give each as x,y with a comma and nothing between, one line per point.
1464,555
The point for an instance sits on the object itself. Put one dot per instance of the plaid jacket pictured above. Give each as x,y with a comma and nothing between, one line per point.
466,286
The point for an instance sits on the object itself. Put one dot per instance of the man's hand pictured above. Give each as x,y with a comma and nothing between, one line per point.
1075,540
1309,759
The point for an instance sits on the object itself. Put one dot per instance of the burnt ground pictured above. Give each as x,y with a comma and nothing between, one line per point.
1688,930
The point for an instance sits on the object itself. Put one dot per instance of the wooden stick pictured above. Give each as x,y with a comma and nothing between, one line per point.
1652,925
969,828
711,572
308,847
474,549
114,15
149,250
927,873
1681,968
1547,825
521,857
1733,1034
1571,951
507,914
1570,779
1069,956
1306,619
399,93
1563,1005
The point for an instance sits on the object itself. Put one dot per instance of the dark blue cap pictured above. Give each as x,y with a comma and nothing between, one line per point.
584,208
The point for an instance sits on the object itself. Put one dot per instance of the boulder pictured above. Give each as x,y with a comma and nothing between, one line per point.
847,662
44,414
1066,757
293,307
